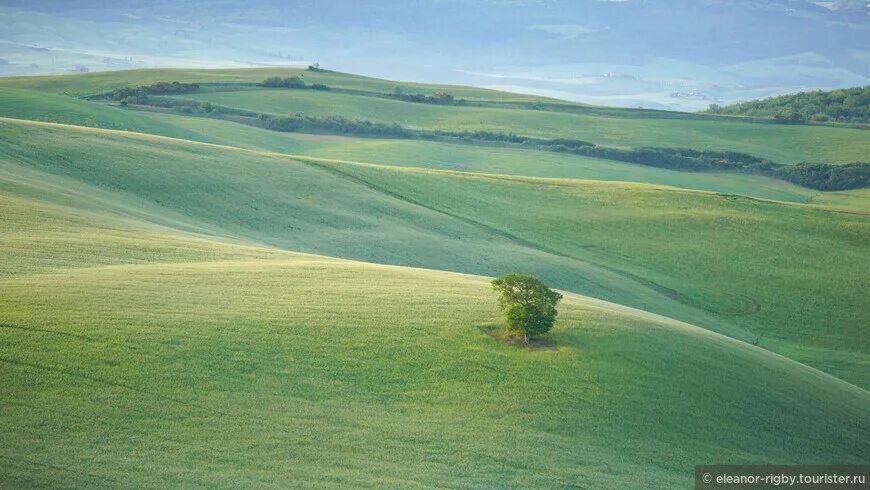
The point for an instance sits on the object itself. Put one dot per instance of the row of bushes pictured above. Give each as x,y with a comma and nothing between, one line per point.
187,106
297,82
438,98
820,176
816,176
291,82
681,158
826,177
333,124
338,124
160,88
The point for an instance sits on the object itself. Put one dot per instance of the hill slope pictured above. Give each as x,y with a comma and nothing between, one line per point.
798,293
783,143
25,104
198,362
233,306
367,98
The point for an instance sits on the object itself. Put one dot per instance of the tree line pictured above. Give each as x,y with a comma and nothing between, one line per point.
292,82
821,176
141,92
851,105
826,177
438,98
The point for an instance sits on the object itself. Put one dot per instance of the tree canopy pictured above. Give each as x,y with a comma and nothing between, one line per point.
529,305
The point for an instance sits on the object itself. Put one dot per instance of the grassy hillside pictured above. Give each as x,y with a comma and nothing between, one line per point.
28,104
194,302
237,365
799,290
783,143
511,161
768,268
272,199
33,105
605,126
94,83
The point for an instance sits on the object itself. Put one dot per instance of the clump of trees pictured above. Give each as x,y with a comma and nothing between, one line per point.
842,105
141,93
439,97
528,304
332,124
291,82
827,177
286,82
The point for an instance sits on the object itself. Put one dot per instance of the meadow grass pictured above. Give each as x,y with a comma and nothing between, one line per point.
783,272
275,200
257,367
213,311
784,276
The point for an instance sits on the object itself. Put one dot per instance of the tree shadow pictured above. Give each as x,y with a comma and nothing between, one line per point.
498,332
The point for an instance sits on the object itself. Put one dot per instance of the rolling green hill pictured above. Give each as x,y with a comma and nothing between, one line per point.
504,112
54,108
202,362
37,106
95,83
470,158
779,142
564,230
190,301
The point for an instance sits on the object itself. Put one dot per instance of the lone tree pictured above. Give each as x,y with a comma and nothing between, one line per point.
529,305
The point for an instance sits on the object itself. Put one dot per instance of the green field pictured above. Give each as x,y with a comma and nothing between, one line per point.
196,302
94,83
45,107
782,143
36,106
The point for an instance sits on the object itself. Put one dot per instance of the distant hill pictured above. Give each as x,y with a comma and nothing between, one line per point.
842,105
626,53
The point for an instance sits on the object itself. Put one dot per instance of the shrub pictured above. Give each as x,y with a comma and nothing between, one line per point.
439,97
528,304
